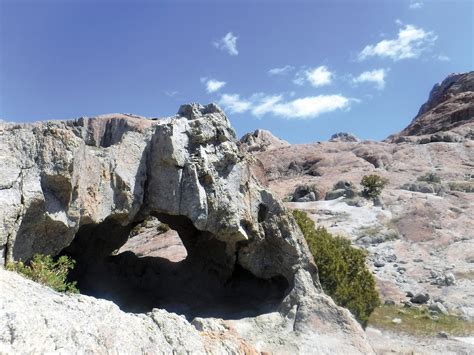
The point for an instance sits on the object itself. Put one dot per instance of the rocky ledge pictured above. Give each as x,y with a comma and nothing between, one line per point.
79,187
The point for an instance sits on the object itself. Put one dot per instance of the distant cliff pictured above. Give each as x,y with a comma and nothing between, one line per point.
450,106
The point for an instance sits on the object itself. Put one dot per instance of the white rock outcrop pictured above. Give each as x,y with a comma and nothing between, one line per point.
97,177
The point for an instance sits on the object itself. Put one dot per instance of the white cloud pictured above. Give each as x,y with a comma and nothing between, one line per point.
376,76
301,108
415,4
264,104
300,78
410,43
234,104
317,77
311,106
443,58
212,85
281,71
227,43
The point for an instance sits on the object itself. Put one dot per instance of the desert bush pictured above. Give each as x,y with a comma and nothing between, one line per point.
47,271
431,178
342,270
373,185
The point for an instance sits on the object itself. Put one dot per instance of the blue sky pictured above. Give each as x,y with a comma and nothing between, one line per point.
302,69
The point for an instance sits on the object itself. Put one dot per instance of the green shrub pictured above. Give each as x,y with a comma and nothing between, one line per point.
342,270
373,185
45,270
431,178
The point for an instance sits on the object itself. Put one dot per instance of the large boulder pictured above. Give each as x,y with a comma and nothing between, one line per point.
81,186
343,137
306,193
342,188
261,140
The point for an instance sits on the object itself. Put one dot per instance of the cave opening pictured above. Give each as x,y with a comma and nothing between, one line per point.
165,262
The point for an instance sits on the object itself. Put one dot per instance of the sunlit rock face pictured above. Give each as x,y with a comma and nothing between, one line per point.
450,107
80,187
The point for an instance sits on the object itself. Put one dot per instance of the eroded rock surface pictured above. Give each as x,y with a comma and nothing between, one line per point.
80,187
35,319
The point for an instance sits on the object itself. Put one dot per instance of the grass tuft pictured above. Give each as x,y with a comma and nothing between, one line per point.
418,321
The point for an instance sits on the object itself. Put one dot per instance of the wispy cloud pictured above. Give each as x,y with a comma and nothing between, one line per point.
443,58
263,104
227,43
414,4
317,77
234,104
281,71
171,93
411,42
376,76
212,85
302,108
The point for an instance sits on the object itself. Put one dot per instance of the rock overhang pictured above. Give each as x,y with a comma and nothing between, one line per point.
73,173
66,178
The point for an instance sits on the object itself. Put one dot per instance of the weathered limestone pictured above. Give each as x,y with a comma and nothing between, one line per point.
94,178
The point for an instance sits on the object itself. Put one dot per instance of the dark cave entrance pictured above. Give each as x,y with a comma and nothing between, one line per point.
165,262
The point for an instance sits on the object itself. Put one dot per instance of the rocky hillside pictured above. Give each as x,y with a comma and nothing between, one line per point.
179,225
81,188
419,234
450,108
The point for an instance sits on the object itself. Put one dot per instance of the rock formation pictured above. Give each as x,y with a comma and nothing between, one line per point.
79,187
261,140
343,137
450,107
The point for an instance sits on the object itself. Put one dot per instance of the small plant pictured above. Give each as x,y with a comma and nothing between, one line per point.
342,270
373,185
45,270
163,228
431,178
